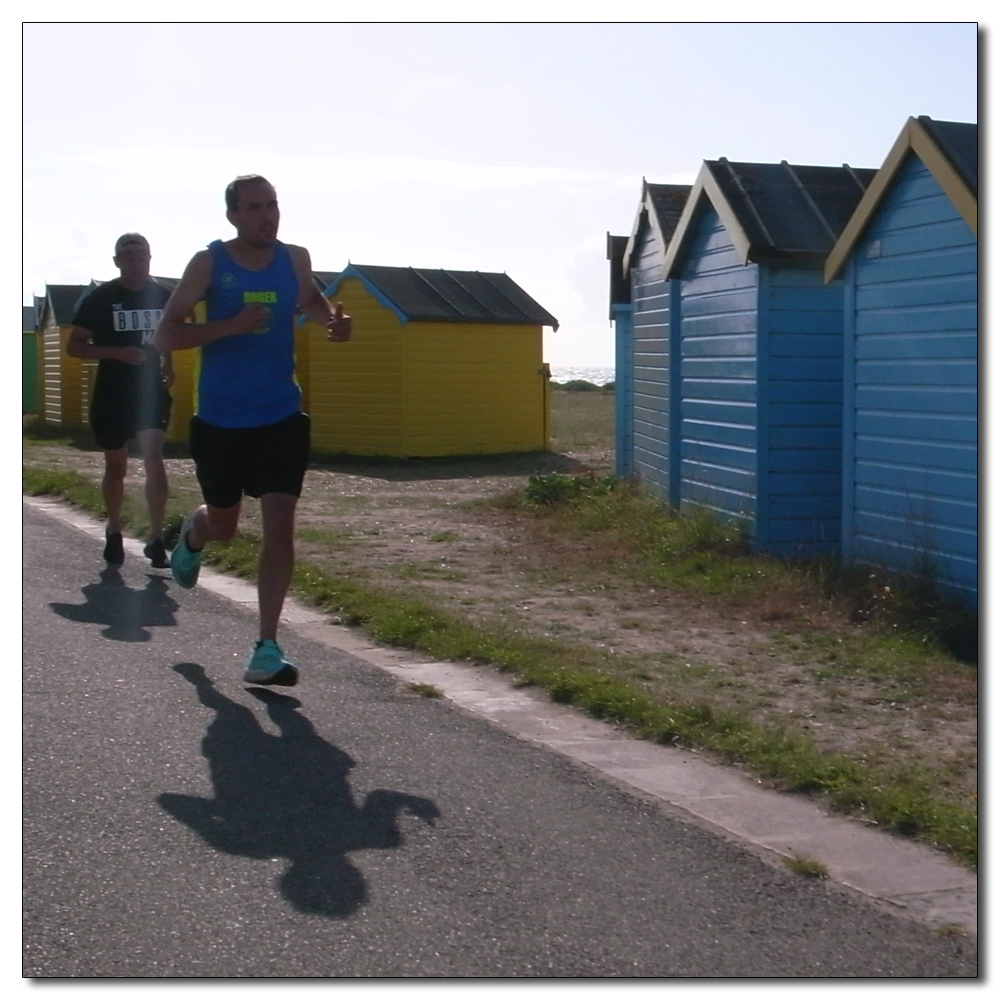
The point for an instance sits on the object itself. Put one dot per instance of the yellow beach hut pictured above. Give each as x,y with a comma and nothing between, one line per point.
62,395
440,363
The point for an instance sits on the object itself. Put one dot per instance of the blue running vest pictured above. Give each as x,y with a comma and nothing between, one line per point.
248,380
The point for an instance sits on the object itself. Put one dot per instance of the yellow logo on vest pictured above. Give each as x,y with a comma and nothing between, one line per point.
263,298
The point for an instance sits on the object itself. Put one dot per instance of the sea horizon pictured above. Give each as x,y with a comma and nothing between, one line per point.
586,373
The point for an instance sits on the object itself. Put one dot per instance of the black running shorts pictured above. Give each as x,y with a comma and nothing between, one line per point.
116,417
251,460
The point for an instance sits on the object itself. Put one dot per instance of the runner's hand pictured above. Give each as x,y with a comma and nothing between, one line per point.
253,316
338,327
131,355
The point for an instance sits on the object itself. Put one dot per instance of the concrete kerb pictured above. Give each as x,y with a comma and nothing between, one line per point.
900,873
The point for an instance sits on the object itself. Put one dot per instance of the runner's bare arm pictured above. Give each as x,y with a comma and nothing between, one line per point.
174,332
313,303
80,345
167,368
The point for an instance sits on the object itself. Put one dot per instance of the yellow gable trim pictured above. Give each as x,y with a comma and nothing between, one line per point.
648,210
636,226
913,138
705,185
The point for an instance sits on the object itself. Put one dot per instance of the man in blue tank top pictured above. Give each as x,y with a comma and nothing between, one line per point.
249,435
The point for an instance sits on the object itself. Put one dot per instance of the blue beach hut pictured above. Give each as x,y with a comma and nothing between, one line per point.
733,363
641,311
758,337
908,258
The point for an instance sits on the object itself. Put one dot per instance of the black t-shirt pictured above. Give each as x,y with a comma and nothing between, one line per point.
117,316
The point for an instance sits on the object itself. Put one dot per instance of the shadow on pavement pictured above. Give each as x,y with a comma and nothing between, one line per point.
288,796
126,613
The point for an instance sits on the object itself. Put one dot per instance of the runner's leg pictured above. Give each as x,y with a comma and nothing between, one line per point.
212,524
113,486
151,447
218,459
277,559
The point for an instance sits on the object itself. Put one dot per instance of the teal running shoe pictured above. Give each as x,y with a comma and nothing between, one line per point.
185,563
267,665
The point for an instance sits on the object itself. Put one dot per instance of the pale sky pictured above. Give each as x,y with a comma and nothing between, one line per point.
493,147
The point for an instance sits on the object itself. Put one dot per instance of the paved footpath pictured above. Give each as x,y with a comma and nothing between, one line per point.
179,823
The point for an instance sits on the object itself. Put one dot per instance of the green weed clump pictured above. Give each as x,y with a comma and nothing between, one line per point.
558,487
909,605
802,864
424,690
577,385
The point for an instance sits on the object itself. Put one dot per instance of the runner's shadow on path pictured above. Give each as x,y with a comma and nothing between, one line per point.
126,613
288,796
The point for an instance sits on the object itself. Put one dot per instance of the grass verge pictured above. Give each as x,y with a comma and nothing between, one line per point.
643,540
904,802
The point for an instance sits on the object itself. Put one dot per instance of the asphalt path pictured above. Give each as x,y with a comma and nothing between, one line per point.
179,823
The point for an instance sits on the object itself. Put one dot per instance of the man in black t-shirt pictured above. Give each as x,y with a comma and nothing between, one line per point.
114,325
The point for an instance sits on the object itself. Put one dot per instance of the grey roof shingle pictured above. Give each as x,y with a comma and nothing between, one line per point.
62,300
442,296
790,211
668,203
959,141
620,292
170,283
324,279
661,207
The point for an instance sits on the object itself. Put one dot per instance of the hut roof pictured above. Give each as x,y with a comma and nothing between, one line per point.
441,296
661,205
61,301
949,150
774,212
324,279
959,143
168,283
620,292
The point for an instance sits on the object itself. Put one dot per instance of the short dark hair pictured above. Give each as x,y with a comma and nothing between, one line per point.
233,189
